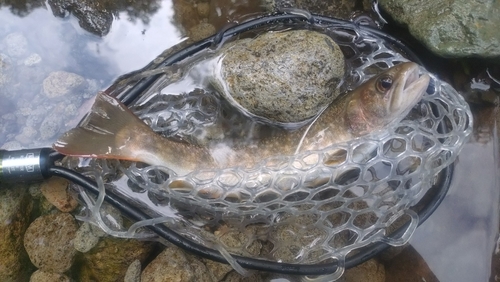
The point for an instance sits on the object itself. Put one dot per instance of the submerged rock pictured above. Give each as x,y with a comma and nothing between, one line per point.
451,28
60,83
56,192
15,209
111,257
133,273
283,77
43,276
371,270
49,242
174,265
16,44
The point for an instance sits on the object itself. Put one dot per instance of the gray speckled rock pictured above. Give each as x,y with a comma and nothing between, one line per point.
60,83
50,127
111,257
49,242
85,238
283,77
15,209
451,28
133,273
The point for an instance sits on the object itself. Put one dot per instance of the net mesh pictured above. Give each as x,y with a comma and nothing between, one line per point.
311,207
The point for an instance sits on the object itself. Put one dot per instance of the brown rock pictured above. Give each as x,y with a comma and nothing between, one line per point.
49,242
43,276
370,271
15,209
56,192
203,9
219,270
408,266
173,265
255,277
133,273
201,31
111,257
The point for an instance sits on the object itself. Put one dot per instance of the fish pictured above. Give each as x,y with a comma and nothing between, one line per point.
112,131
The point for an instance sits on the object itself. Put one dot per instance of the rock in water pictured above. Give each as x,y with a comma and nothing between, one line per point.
49,242
451,28
15,208
283,77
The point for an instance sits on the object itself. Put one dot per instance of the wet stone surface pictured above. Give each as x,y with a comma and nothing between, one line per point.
44,276
451,28
283,77
173,264
109,259
49,242
15,209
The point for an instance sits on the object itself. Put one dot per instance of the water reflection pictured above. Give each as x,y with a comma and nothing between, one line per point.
458,240
21,8
31,53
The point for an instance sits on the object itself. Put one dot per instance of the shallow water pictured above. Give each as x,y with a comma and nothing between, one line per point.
457,242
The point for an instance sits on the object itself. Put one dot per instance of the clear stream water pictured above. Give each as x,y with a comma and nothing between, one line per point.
457,242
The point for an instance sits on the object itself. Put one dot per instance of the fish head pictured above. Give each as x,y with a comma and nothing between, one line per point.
386,97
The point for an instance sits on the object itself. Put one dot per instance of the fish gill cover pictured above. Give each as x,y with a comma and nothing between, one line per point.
312,207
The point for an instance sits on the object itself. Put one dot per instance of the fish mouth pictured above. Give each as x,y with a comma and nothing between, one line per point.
410,89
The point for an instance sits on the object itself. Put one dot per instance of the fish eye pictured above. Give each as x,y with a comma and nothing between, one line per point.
384,83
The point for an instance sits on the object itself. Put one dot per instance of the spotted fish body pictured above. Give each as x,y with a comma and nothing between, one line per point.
112,131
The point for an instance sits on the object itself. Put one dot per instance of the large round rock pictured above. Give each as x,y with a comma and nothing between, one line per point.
283,77
49,242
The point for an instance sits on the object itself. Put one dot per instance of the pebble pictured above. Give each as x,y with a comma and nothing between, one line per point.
43,276
110,258
49,242
55,190
369,271
85,238
15,209
32,60
27,135
133,273
174,265
50,127
61,83
200,31
16,44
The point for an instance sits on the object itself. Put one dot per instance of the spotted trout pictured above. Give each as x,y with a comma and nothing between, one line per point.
112,131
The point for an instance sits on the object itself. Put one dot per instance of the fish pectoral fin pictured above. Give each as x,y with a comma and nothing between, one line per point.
106,132
356,120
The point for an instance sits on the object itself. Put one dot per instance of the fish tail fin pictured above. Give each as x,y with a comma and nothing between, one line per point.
107,131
